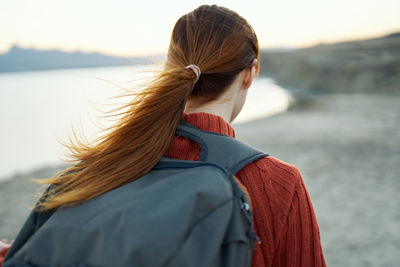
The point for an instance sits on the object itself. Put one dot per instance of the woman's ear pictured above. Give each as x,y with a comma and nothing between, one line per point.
249,75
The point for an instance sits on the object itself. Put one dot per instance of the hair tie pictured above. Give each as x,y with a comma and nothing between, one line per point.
196,71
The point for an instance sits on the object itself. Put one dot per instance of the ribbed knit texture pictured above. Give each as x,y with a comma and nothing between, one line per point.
284,217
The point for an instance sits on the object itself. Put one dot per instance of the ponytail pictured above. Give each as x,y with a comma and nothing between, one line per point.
132,148
220,43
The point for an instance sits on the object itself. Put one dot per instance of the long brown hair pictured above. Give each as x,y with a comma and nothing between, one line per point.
221,43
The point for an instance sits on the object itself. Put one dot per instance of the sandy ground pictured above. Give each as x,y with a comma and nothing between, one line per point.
347,148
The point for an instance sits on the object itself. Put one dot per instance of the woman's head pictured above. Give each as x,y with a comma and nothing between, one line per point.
219,41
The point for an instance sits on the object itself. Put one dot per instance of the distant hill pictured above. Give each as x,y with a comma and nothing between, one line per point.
20,59
371,65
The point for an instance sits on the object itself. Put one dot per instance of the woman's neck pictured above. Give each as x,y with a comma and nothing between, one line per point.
218,109
223,106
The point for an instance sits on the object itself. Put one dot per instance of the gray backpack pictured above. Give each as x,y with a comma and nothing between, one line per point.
182,213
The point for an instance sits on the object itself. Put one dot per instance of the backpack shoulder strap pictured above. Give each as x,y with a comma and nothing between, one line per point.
222,150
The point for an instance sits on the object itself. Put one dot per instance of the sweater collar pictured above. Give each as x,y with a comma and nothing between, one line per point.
210,123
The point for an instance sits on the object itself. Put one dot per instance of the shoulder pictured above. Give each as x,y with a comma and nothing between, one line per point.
274,172
271,180
277,166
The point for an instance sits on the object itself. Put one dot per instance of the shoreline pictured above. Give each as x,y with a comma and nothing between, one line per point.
35,169
32,139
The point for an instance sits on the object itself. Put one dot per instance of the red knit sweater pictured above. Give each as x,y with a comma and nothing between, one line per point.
284,217
3,254
283,214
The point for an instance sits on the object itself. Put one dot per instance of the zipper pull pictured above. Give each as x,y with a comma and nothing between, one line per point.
251,233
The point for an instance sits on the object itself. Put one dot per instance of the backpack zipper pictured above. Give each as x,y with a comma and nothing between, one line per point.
247,213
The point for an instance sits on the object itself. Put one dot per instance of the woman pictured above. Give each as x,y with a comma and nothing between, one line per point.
212,61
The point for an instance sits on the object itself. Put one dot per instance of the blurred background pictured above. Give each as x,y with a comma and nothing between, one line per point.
327,100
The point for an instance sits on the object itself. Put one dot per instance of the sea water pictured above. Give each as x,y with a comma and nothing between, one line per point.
39,109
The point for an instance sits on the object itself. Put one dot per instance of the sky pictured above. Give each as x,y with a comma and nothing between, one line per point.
138,28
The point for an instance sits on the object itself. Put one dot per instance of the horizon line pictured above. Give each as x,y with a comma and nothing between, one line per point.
163,53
